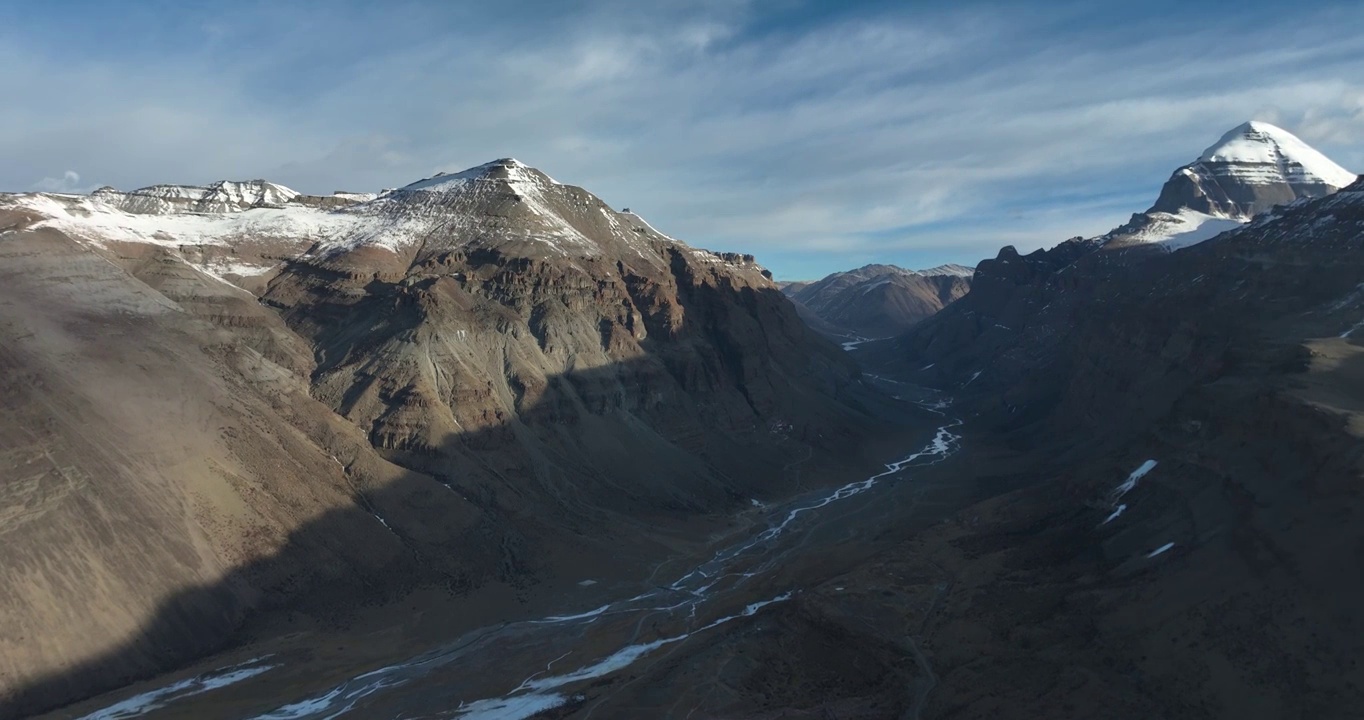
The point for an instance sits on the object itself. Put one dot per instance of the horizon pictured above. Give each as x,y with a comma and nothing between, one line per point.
817,137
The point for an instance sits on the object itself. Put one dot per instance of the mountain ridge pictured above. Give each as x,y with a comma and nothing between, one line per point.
878,300
460,374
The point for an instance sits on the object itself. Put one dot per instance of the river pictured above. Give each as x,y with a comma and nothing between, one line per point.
556,655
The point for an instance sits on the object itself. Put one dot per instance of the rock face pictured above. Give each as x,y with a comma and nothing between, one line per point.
229,399
879,300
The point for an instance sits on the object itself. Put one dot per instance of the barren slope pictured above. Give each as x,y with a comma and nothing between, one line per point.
475,381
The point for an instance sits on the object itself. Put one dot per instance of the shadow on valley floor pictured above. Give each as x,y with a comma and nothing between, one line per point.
604,472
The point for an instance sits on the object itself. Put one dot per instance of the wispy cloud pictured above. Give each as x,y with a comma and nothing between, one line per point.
911,137
69,182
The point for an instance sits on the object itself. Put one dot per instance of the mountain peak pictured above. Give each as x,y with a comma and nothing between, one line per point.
216,197
948,269
506,169
1260,143
1250,169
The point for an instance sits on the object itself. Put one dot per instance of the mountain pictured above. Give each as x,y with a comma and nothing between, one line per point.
231,405
1255,163
1252,168
1183,429
878,300
1174,443
219,197
1124,476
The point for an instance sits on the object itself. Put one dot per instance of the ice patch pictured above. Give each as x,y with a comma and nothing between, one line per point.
1160,550
146,702
514,708
1131,482
1114,516
571,618
532,695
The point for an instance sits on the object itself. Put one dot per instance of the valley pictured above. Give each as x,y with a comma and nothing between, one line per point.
482,446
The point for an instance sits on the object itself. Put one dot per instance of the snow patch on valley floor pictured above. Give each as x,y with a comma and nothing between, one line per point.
535,695
139,705
1116,495
851,345
1160,550
1117,512
1131,482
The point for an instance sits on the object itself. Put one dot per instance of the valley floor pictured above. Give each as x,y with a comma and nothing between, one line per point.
431,652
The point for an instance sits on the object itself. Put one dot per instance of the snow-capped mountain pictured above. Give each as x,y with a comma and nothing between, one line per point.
223,196
244,229
878,300
455,383
1233,368
1252,168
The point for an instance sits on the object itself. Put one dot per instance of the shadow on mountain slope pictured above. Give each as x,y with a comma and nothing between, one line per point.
591,476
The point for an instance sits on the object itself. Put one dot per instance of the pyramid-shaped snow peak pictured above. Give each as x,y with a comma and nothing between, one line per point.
1252,168
1261,144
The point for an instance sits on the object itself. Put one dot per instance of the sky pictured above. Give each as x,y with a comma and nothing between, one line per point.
818,136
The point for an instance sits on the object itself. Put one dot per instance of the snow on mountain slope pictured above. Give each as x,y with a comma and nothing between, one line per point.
223,196
504,205
502,202
948,269
1182,229
521,194
1260,152
90,219
357,196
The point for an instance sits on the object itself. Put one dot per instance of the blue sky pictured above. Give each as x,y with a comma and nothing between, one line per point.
819,136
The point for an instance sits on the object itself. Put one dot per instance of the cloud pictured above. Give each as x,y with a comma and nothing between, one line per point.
69,182
889,134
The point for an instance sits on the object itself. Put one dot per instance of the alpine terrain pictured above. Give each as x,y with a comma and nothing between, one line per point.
483,447
235,413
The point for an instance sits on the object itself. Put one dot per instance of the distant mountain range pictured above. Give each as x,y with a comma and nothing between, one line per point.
1252,168
877,300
